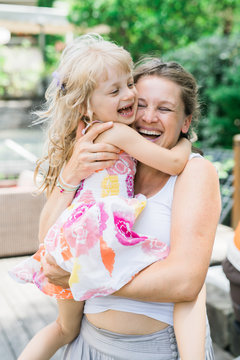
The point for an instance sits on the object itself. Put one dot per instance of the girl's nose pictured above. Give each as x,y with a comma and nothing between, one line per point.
129,93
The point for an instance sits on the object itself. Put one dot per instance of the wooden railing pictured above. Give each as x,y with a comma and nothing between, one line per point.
236,182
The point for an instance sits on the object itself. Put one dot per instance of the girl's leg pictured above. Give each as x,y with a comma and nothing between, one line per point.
190,327
62,331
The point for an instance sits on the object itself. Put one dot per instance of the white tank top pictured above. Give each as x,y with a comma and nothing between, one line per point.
154,221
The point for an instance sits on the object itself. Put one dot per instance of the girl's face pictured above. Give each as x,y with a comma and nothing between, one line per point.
115,99
160,116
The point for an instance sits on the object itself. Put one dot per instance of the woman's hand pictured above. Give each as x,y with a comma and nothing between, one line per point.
88,157
54,273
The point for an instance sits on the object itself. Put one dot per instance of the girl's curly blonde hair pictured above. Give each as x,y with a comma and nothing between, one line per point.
83,64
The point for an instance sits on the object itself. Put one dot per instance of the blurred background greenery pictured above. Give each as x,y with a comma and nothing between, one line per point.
203,36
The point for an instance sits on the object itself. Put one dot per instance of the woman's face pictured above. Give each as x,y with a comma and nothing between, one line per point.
160,115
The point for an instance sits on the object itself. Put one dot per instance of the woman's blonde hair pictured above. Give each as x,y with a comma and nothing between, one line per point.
83,63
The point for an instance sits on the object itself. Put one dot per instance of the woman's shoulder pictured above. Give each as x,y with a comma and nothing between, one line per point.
199,168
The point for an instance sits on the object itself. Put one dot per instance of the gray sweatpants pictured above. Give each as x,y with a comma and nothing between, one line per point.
98,344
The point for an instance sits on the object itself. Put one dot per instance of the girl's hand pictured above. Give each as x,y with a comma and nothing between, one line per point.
88,157
54,273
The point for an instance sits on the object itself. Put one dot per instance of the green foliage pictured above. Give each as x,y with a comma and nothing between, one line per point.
215,62
21,78
144,26
3,75
45,3
51,52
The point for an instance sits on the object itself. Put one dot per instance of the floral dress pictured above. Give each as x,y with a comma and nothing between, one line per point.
93,238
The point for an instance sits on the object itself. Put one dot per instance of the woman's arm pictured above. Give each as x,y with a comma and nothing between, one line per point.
189,320
195,214
87,157
170,161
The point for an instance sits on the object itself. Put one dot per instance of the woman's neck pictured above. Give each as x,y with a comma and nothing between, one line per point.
149,181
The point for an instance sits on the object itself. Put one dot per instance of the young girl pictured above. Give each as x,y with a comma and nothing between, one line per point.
93,237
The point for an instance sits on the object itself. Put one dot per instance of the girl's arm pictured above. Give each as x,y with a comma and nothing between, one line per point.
59,333
87,157
190,327
170,161
195,214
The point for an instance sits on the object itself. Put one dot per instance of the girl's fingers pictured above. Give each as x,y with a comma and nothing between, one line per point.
99,147
50,259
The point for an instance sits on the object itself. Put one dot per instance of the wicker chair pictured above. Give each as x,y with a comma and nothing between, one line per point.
19,219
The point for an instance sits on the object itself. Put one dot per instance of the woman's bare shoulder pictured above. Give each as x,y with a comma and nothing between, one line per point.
199,174
199,166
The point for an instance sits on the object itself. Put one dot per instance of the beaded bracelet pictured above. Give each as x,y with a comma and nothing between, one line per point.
63,186
66,184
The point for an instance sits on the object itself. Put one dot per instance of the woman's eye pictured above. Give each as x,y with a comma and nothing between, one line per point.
164,109
131,85
140,105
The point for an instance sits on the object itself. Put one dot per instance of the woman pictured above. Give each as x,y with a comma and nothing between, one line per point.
184,210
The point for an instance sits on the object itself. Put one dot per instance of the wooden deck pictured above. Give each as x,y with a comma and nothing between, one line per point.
23,311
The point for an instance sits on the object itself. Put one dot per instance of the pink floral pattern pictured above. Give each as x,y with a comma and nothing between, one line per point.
101,291
103,218
79,189
130,185
124,232
155,246
87,235
77,213
125,165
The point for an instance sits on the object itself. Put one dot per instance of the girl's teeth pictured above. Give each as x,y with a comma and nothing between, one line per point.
125,111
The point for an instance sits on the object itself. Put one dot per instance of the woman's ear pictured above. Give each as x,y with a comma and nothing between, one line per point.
186,124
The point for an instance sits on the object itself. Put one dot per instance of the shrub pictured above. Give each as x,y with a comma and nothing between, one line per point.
215,62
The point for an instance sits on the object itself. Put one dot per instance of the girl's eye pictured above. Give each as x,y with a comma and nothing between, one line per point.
141,105
114,91
131,85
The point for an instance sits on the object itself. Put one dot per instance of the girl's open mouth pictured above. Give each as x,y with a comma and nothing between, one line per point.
126,111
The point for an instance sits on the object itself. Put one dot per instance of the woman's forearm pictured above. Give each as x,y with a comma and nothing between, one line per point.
87,158
163,281
55,205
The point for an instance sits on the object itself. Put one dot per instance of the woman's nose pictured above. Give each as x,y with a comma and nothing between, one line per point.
149,115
